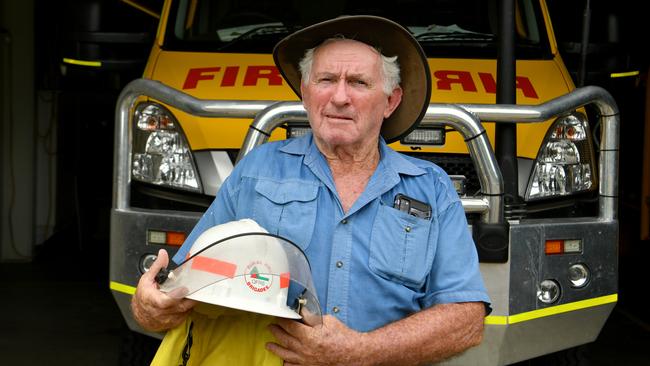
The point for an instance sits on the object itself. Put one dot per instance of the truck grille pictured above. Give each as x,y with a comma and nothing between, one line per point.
455,165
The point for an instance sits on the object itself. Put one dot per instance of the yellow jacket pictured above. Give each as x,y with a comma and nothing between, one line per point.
218,336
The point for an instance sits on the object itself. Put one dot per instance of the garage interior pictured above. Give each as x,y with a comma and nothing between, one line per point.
57,155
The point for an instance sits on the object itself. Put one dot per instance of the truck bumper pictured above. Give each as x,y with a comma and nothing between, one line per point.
520,326
129,245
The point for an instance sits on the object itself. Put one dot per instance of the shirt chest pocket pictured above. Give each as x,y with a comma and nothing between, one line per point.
287,209
402,247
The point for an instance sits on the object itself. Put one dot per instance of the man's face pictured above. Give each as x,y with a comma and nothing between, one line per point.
344,96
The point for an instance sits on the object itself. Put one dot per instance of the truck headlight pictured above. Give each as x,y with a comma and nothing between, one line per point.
161,154
565,162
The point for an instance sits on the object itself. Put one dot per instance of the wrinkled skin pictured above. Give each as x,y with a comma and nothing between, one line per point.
425,337
345,99
331,343
155,310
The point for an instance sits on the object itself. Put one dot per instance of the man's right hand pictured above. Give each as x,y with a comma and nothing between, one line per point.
153,309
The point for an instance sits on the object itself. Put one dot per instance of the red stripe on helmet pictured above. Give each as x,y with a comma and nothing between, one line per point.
214,266
284,279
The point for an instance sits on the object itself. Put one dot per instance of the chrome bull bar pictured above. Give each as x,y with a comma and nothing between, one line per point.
466,119
609,144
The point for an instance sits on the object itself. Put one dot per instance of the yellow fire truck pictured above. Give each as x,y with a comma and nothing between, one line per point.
548,247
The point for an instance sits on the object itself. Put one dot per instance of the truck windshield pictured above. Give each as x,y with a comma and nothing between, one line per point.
445,28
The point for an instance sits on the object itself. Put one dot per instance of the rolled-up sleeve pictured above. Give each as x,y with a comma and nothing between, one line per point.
455,274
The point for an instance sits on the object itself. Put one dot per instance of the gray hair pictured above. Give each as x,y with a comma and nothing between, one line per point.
390,71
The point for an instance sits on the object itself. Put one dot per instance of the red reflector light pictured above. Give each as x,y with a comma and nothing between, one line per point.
175,238
566,246
554,247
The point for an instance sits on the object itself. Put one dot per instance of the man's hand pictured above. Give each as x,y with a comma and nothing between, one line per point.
331,343
155,310
428,336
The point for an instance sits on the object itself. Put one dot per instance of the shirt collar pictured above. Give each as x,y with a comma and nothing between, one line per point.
391,159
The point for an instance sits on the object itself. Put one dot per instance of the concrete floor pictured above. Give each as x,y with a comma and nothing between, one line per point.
58,310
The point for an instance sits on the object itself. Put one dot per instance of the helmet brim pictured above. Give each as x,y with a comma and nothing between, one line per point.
206,295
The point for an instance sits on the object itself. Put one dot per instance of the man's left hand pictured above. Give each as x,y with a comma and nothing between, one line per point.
331,343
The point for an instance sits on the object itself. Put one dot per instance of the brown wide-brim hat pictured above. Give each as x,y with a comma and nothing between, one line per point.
391,39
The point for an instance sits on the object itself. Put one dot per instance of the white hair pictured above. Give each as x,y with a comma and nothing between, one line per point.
390,71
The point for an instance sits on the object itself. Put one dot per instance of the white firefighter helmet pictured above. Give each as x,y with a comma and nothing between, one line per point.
240,265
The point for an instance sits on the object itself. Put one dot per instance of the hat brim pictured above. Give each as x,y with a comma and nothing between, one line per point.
387,36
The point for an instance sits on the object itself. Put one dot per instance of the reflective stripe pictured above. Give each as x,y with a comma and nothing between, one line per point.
553,310
130,290
496,320
285,278
82,62
215,266
490,319
623,74
564,308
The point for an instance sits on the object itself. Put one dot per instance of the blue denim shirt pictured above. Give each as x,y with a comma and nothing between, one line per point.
374,264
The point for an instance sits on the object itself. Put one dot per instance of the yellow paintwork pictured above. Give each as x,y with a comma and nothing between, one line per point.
551,33
549,79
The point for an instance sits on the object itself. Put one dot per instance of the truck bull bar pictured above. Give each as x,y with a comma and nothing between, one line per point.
466,119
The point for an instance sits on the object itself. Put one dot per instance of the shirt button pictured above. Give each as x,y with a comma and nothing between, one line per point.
407,229
344,221
336,310
339,264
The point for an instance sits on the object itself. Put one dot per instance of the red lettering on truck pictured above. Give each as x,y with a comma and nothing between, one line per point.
448,77
521,82
524,84
230,76
251,77
488,82
443,79
194,75
254,73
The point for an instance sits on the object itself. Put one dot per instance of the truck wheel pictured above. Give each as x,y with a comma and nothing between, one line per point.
137,349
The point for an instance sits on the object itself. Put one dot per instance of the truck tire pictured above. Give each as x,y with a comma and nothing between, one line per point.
137,349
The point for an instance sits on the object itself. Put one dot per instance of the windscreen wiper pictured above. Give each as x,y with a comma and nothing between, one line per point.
454,36
262,30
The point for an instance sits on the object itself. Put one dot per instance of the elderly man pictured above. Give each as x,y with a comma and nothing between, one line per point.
397,287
